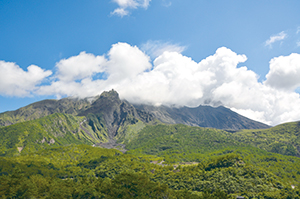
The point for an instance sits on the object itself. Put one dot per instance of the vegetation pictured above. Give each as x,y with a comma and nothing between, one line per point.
172,140
283,139
82,171
44,108
54,130
52,157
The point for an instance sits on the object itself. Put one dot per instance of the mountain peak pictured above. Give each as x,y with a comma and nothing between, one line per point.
110,94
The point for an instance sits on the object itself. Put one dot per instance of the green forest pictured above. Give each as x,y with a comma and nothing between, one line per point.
57,157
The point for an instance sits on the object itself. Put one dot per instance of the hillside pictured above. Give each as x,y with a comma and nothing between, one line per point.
283,139
181,143
176,139
54,130
177,161
80,171
44,108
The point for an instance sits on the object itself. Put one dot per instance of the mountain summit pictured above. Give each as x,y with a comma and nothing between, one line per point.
115,112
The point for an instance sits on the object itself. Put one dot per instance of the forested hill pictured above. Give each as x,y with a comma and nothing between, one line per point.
283,139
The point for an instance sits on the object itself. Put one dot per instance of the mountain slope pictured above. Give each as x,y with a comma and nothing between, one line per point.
283,139
181,143
101,123
115,113
203,116
54,130
178,138
44,108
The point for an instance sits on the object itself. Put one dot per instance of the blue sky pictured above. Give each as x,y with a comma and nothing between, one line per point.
53,49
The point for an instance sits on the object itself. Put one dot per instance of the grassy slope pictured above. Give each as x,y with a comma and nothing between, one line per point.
162,139
283,139
54,130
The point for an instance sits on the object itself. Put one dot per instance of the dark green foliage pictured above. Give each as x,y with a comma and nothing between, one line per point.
223,162
69,172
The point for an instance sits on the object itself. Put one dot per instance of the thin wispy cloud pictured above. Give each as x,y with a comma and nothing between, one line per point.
156,48
298,30
275,38
166,3
126,5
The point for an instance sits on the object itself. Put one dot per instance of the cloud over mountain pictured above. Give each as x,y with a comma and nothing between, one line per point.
171,79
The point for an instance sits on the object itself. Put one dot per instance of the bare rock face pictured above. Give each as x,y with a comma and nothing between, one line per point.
115,112
203,116
52,141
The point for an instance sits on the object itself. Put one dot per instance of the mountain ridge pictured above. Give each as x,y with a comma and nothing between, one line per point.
112,110
203,116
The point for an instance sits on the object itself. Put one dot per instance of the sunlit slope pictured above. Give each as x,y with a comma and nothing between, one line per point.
283,139
181,143
179,138
54,130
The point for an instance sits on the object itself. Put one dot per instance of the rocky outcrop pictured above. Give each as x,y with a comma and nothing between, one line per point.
115,112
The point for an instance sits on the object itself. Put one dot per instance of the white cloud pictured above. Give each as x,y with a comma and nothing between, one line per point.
279,37
298,43
80,66
14,81
126,5
120,11
75,74
175,79
126,61
284,72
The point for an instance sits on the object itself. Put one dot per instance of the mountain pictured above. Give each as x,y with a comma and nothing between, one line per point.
110,110
115,113
101,122
203,116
